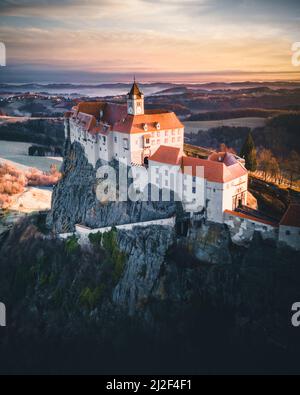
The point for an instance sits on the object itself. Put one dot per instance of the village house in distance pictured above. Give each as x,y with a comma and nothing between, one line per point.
148,138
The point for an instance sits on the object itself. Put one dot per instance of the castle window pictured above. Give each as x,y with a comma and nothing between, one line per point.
288,233
104,139
116,140
166,183
125,143
147,141
194,190
214,190
166,133
173,132
173,139
166,172
166,141
194,179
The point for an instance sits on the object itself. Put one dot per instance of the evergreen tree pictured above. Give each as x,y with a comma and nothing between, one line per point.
248,152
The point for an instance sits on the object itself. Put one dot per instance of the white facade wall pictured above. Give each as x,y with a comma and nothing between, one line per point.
96,147
214,201
121,146
290,236
189,190
234,193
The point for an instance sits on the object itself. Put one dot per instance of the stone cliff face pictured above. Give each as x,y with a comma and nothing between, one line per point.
75,202
197,294
200,293
146,250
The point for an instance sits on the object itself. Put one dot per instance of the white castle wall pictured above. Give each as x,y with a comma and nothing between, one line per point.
83,232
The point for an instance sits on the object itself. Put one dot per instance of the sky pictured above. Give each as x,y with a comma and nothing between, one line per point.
161,40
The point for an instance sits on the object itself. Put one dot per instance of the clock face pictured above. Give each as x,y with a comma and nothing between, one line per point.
130,110
139,110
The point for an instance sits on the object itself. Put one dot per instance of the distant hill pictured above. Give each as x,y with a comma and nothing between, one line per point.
280,135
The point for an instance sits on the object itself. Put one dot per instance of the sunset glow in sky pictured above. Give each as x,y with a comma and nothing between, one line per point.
181,40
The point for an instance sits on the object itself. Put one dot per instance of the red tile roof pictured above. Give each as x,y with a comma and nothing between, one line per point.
113,113
91,108
251,218
292,216
168,155
135,123
116,116
214,171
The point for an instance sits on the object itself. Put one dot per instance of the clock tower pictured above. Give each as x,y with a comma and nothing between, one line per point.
135,101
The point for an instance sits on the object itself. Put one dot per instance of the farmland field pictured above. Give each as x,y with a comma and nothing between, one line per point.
195,126
17,153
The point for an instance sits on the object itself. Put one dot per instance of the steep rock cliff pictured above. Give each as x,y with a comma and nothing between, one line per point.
180,294
74,199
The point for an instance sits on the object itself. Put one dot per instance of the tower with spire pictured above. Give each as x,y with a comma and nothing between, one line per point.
135,100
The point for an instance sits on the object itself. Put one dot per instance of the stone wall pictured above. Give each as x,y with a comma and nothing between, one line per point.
242,229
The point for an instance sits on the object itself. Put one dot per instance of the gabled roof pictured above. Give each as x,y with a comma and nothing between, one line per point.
91,108
292,216
214,171
167,155
136,123
115,115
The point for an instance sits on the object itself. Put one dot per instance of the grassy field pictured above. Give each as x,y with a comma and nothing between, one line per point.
195,126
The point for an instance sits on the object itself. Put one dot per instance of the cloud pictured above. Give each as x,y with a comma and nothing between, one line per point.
56,8
151,35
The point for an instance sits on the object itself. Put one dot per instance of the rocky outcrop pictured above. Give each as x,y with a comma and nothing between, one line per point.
74,199
146,249
199,293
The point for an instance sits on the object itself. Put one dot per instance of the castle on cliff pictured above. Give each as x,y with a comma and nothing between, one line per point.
148,138
154,139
